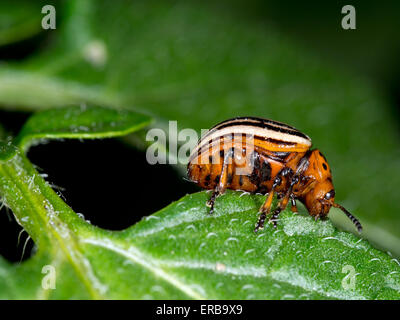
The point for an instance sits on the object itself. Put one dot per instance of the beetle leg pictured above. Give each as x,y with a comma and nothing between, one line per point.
211,201
294,206
264,211
223,180
266,207
282,205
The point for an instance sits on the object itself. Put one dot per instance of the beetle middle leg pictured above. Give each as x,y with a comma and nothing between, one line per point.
223,180
266,207
282,205
294,206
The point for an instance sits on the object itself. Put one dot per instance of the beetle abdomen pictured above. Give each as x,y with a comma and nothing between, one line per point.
252,172
261,147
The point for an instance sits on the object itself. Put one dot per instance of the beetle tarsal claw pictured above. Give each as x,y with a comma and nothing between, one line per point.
274,222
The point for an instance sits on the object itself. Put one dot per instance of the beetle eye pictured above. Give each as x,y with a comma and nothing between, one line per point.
329,195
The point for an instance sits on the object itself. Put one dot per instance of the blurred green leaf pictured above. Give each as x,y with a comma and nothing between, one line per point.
7,150
198,63
86,122
19,22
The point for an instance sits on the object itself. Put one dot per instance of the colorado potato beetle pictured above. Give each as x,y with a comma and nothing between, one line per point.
264,156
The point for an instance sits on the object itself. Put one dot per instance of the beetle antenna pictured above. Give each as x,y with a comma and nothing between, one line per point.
350,216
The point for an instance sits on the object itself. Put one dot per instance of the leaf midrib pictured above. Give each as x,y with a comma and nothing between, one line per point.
147,262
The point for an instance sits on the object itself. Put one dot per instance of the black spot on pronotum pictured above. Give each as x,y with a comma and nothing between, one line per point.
222,153
324,165
210,159
322,155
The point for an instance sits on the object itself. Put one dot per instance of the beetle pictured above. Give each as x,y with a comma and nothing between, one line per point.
268,157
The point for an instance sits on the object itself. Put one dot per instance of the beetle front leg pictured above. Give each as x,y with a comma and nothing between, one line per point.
223,180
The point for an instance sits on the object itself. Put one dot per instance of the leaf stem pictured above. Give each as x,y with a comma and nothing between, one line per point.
47,219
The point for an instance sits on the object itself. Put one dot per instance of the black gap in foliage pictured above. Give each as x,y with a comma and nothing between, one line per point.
109,182
20,50
10,231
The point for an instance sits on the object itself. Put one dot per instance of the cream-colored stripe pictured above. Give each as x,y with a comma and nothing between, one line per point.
254,131
273,123
250,131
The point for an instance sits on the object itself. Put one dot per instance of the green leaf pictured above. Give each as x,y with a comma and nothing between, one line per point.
19,22
182,252
225,259
7,150
84,122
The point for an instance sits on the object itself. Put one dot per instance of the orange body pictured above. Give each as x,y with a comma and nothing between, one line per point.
264,156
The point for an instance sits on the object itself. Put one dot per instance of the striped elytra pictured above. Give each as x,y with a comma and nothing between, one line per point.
264,156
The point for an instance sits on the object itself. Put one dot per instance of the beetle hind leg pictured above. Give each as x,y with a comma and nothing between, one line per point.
211,201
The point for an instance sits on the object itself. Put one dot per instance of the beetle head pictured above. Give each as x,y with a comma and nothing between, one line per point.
321,197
